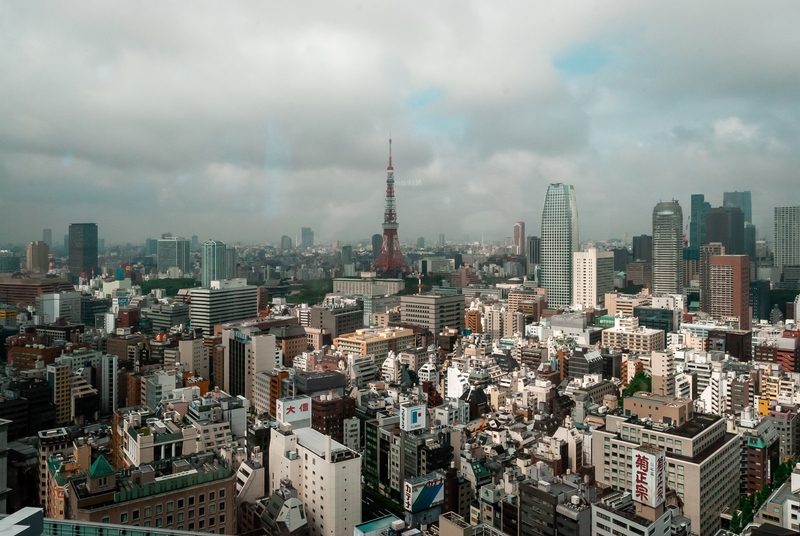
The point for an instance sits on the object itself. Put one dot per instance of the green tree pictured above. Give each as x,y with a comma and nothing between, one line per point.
640,382
736,523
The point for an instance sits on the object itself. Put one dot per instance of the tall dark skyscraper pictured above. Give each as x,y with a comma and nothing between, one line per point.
83,249
726,226
697,221
741,200
306,238
286,244
347,254
559,241
667,248
47,237
643,248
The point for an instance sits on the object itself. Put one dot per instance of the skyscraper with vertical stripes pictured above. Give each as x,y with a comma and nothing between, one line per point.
559,240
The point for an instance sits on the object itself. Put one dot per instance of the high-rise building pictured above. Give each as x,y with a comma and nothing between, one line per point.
47,237
532,251
83,249
707,251
195,243
750,241
38,257
224,301
593,273
730,289
433,311
420,242
286,244
559,240
726,226
347,254
519,238
173,251
441,240
215,262
697,222
741,200
667,248
246,351
643,248
231,260
787,236
306,238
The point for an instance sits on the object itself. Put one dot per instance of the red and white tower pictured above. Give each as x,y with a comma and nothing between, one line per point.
390,261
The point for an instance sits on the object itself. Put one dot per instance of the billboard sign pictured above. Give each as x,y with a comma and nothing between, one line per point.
293,410
423,492
649,471
412,416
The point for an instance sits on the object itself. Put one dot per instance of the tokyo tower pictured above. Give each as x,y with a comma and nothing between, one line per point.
390,261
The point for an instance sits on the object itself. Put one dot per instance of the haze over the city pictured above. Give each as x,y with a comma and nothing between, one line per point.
248,121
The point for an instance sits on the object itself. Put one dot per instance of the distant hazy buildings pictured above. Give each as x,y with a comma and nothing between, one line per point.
559,240
726,226
643,248
37,257
47,237
286,244
83,248
215,262
697,221
306,238
231,260
173,251
593,273
787,236
667,248
741,200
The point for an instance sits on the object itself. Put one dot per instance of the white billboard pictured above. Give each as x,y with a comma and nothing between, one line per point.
649,475
412,416
293,409
423,492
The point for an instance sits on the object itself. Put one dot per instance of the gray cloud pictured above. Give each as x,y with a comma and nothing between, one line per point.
245,121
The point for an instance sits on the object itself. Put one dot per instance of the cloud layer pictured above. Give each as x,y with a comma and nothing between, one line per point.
246,121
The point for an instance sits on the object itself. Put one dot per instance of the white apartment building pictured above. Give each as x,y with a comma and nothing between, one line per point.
592,277
328,476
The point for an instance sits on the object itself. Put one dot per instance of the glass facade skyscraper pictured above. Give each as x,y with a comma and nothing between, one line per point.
215,262
559,240
667,248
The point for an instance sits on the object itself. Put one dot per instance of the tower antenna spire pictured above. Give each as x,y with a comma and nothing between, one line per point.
390,150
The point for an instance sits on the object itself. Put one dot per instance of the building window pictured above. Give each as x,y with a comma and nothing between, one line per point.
191,500
135,515
202,498
169,520
170,506
146,511
221,506
180,517
180,504
123,517
158,509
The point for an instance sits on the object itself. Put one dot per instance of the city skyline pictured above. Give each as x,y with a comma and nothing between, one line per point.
234,139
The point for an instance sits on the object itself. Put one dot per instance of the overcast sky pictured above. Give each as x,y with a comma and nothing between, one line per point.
244,121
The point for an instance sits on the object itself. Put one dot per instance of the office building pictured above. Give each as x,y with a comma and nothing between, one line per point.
224,301
421,242
740,200
376,342
336,319
519,238
703,462
166,316
47,237
38,258
377,240
667,248
593,277
787,237
83,249
332,473
247,351
726,226
286,244
433,312
441,240
215,262
231,260
532,254
306,238
9,262
173,251
697,222
642,248
559,240
628,334
65,305
730,289
347,254
707,252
